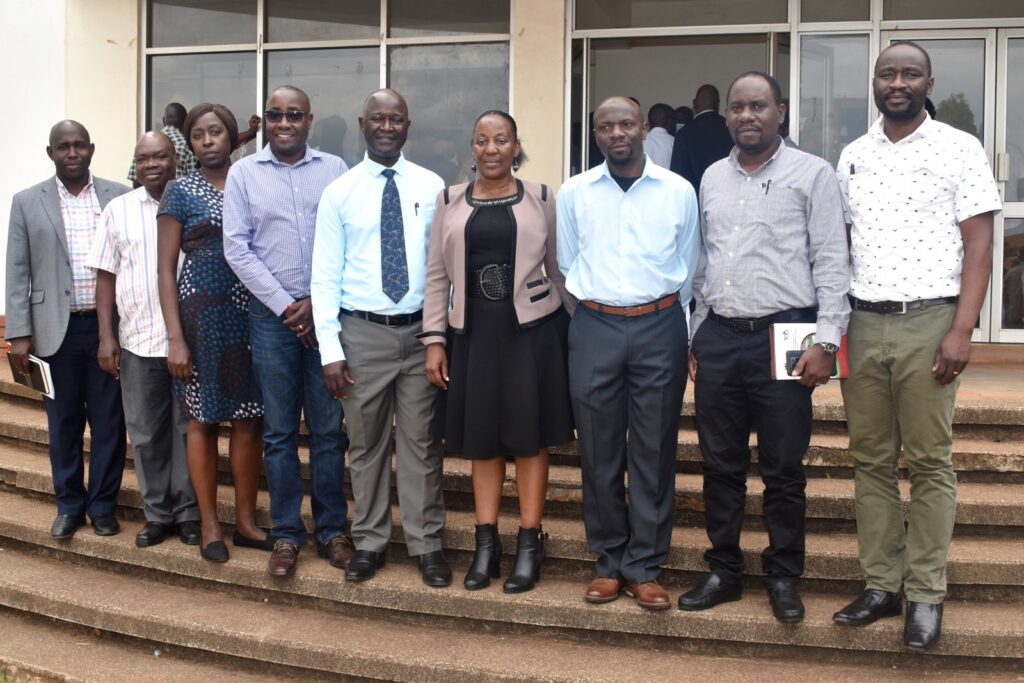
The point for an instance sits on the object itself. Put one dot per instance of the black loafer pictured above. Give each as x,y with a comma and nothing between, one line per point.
923,626
215,551
105,525
869,607
435,570
785,600
240,541
64,526
363,565
712,591
189,532
154,533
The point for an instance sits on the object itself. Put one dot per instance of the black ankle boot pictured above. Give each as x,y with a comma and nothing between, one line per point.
486,564
529,555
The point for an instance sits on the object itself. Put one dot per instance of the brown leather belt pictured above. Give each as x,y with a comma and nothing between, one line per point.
634,311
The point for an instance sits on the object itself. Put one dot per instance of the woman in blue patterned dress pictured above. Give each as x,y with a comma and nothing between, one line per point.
207,316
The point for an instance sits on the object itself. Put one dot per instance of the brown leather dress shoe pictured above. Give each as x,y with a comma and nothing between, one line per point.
603,590
649,595
338,551
283,559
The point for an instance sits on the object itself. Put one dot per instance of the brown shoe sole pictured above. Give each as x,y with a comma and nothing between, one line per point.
594,600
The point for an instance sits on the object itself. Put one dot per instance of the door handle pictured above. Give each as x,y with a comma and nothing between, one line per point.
1002,167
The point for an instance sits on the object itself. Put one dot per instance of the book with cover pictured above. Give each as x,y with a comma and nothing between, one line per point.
790,340
38,378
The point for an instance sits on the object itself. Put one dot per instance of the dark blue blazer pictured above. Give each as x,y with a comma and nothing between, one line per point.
699,144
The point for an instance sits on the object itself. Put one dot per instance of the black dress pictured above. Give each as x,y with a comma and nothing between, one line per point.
508,389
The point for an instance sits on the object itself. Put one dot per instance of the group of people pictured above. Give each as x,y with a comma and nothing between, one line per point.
494,320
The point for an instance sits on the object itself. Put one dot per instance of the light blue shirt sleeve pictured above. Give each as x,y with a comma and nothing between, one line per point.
568,236
327,272
689,244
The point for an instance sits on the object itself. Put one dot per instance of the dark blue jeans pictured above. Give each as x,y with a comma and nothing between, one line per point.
291,380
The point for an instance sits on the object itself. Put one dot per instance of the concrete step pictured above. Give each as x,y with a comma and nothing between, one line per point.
338,639
985,507
980,568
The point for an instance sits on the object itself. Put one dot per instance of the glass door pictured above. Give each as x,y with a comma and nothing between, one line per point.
1008,268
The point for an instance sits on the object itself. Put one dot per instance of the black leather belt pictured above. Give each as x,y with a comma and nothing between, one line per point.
758,324
492,282
899,307
386,320
91,313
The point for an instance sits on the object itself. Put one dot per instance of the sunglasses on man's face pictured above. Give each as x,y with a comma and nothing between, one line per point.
293,115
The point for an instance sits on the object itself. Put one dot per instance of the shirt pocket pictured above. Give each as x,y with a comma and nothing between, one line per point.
37,296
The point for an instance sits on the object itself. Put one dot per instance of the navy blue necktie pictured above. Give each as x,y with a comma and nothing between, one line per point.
394,269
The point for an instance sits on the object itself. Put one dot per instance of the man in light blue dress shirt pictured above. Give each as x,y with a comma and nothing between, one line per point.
628,242
270,204
369,271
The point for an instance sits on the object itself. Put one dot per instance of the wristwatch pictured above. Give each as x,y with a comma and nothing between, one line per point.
830,349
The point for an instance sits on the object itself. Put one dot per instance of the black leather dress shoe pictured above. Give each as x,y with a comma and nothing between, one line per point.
64,526
712,591
105,525
435,570
869,607
153,533
363,565
786,604
923,626
189,532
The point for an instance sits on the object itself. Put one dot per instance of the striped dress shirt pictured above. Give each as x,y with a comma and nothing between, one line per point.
125,245
80,214
269,220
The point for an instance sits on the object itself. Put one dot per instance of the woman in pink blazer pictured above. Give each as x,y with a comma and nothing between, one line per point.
495,297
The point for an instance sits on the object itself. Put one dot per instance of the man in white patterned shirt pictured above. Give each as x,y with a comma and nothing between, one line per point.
919,200
123,256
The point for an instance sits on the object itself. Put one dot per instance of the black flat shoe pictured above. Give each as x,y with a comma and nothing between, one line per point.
363,565
64,526
215,551
712,591
189,532
486,564
105,525
869,607
923,626
154,533
785,600
435,570
240,541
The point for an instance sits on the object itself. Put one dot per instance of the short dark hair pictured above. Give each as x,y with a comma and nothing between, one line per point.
910,43
772,83
521,158
222,113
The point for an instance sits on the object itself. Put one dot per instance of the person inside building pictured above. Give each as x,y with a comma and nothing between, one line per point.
661,124
704,140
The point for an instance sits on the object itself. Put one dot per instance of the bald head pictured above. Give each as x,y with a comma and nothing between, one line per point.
385,125
385,95
618,102
156,162
156,140
707,97
619,133
67,126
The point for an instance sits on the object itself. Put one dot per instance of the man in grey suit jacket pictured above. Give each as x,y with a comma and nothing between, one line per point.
51,312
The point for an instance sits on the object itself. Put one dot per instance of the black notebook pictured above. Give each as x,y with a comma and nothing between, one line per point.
38,377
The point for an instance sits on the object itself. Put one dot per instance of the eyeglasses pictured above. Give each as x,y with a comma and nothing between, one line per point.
293,115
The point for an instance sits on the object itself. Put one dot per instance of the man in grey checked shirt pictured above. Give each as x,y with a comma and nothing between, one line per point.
270,206
774,251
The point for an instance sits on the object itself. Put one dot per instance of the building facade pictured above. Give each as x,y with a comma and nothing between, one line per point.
114,64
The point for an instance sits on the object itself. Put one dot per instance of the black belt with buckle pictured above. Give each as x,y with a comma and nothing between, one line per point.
492,282
90,313
387,320
757,324
899,307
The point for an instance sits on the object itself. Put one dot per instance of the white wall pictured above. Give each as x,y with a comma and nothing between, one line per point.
32,69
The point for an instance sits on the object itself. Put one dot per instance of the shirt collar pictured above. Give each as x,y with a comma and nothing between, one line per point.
375,169
650,169
267,155
63,193
143,195
734,157
926,129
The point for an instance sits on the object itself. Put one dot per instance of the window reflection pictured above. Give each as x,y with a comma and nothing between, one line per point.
297,20
201,22
959,92
447,87
1015,119
591,14
1013,273
337,81
227,78
411,18
833,93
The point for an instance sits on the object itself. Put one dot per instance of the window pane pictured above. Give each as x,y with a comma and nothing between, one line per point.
447,17
227,78
201,22
951,9
1013,273
447,87
647,13
1015,119
337,82
295,20
959,92
830,10
834,77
